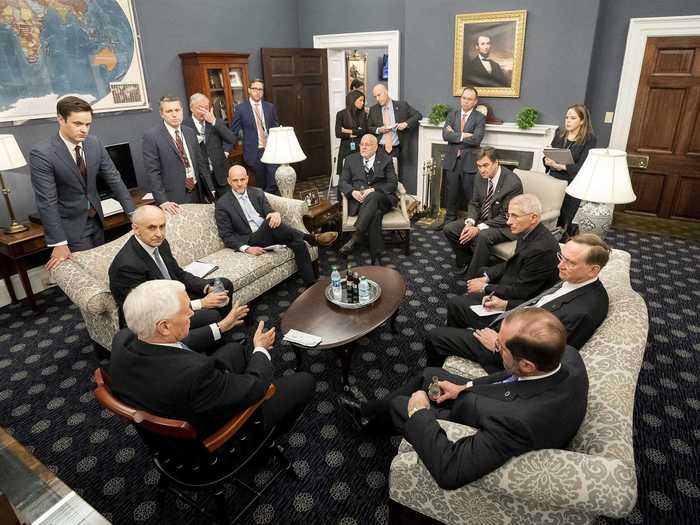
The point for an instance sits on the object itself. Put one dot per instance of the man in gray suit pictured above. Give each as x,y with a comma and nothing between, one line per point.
213,136
177,171
486,225
463,130
64,171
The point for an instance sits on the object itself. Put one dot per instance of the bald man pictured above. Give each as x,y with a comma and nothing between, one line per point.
146,256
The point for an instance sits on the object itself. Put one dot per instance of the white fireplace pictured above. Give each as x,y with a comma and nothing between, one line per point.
506,136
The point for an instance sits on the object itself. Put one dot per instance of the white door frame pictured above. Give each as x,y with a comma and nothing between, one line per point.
639,30
333,43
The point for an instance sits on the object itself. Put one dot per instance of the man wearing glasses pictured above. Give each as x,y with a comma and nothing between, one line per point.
473,238
254,118
538,402
579,301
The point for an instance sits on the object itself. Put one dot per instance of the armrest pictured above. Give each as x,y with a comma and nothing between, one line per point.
344,207
222,435
291,210
401,191
82,288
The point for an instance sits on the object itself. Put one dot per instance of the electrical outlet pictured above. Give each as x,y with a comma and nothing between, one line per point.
608,117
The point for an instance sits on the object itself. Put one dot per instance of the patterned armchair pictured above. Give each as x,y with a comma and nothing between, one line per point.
594,476
192,235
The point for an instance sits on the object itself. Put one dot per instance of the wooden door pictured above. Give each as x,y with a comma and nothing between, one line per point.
296,82
666,127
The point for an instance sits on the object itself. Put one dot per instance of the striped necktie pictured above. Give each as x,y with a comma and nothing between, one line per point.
529,303
486,205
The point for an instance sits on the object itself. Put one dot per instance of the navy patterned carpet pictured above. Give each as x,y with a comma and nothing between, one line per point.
46,401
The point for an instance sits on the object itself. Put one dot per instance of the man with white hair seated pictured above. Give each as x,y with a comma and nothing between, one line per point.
531,270
153,370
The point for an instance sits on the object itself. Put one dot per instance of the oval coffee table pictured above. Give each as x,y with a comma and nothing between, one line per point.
338,327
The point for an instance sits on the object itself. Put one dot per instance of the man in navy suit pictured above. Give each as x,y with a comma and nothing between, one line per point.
254,117
64,171
177,171
247,223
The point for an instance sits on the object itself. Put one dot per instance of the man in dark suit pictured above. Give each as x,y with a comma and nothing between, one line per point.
214,138
463,130
146,256
254,117
391,120
369,183
579,301
481,70
473,239
152,369
177,171
538,402
64,171
247,223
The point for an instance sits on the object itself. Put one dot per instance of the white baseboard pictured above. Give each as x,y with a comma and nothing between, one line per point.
38,277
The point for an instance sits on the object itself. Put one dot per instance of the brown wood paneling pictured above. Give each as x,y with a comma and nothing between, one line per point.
661,118
694,143
310,65
674,62
686,205
281,66
648,187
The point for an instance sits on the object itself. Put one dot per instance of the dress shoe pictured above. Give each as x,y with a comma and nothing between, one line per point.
326,238
437,226
461,270
354,410
376,260
348,246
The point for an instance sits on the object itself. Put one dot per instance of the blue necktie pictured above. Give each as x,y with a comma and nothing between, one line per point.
509,379
251,214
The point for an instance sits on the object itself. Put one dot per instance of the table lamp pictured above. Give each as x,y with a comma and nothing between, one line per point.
10,158
283,148
602,182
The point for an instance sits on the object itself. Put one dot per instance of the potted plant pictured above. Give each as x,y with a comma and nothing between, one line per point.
438,114
527,117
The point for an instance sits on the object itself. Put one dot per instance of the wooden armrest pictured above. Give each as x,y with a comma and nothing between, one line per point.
222,435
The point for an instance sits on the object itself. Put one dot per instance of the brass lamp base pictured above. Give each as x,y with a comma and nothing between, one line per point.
15,227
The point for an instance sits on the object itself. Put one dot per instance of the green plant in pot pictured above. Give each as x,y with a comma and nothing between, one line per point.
438,113
527,117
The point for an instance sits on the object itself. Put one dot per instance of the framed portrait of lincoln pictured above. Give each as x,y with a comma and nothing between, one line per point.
488,52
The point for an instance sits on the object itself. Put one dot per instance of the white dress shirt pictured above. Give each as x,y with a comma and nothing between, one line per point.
189,173
258,106
487,64
566,288
541,376
368,163
251,214
494,181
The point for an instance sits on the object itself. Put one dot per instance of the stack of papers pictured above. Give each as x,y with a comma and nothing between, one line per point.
275,248
111,207
302,338
483,312
200,269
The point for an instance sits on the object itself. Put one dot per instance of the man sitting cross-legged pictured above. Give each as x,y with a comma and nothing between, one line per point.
579,301
538,402
247,223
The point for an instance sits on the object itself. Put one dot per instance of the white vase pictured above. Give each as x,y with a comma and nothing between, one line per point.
286,178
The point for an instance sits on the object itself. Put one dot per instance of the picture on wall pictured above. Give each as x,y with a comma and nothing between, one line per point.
488,52
356,69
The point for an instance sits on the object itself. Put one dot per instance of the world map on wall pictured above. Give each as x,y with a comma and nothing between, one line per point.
52,48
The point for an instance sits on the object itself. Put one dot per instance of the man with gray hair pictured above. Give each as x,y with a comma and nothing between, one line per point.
214,137
151,368
531,270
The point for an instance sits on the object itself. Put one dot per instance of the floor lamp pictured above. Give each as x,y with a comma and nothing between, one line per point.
10,158
283,148
602,182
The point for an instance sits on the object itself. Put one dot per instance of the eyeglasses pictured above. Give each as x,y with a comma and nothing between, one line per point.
255,89
566,261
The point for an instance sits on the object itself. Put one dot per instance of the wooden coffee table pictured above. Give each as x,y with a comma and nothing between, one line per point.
312,313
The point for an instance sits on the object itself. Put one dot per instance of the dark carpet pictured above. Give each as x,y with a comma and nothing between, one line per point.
46,401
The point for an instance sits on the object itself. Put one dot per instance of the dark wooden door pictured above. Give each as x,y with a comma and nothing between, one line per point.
296,82
666,127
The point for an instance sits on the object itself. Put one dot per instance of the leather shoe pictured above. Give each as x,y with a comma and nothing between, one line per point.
347,247
437,226
326,238
354,410
461,270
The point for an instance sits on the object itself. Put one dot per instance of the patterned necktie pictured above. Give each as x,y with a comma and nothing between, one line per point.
80,162
259,124
161,264
486,205
189,181
251,213
529,303
388,137
464,119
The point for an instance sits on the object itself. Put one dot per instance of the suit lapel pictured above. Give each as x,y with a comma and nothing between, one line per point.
65,156
147,259
166,136
237,207
567,298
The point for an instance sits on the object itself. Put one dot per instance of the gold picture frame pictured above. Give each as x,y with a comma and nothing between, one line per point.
356,69
501,36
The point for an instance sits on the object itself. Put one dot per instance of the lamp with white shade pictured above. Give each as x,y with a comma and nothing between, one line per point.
10,158
602,182
283,148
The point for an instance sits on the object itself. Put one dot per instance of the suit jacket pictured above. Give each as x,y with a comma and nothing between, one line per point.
475,124
382,177
133,266
63,196
511,418
164,168
244,120
509,186
475,74
581,311
579,152
532,269
215,137
403,112
190,386
231,221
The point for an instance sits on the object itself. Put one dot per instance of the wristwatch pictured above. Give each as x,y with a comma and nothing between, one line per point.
469,222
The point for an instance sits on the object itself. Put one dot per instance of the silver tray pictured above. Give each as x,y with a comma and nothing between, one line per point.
375,291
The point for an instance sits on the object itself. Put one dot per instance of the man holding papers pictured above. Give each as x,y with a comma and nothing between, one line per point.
579,301
247,223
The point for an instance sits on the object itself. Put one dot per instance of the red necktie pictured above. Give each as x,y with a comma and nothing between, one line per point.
189,181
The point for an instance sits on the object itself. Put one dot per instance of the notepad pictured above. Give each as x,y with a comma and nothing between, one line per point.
275,248
302,338
483,312
111,207
559,155
200,269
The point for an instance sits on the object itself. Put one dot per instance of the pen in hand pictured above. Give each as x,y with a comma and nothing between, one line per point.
486,299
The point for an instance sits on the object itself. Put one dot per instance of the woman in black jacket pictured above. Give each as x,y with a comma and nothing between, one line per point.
350,125
576,136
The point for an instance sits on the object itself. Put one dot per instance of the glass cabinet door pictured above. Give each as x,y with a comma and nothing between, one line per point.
235,75
217,92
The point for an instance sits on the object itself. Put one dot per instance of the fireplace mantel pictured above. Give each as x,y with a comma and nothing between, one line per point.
506,136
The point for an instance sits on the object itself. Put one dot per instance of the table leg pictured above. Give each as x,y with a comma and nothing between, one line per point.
298,353
392,322
344,353
26,284
7,277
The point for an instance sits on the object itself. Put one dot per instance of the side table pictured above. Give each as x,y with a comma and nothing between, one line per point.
326,213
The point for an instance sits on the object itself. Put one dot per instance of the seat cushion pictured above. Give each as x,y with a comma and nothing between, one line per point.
243,268
392,220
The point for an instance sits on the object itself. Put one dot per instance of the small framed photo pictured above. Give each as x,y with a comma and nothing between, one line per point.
311,198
